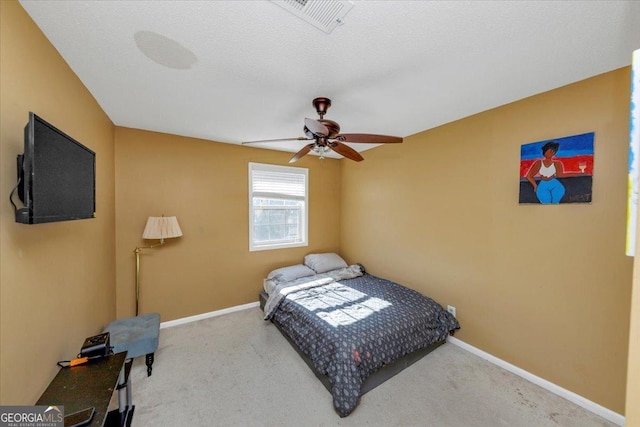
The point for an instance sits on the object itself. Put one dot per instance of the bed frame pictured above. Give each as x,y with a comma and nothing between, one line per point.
375,379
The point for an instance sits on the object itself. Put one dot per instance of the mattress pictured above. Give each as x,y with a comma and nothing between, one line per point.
349,329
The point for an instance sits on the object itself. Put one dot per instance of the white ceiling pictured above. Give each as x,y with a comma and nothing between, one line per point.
233,71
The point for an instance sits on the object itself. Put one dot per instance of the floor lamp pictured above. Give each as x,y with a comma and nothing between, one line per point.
157,228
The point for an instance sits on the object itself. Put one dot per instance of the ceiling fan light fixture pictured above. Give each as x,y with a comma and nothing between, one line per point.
320,150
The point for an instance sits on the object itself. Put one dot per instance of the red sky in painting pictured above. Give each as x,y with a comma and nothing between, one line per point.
570,164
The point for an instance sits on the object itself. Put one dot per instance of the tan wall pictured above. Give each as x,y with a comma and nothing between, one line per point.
546,288
633,371
57,279
205,185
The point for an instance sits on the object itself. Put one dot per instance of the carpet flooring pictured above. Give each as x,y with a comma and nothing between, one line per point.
238,370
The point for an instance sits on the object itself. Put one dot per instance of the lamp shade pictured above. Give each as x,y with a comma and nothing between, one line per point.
161,227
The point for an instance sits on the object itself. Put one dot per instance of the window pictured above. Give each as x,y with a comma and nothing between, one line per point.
278,200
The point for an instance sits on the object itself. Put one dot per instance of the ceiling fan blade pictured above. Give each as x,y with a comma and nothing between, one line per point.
316,127
368,138
300,138
301,153
345,151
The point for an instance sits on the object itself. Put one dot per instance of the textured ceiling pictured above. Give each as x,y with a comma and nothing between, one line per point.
233,71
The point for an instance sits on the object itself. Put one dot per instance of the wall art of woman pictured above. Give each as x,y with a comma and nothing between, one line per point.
548,190
563,174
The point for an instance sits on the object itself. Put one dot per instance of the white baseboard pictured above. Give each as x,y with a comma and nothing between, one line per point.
587,404
190,319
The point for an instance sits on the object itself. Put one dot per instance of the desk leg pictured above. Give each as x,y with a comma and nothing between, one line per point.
125,407
122,406
129,402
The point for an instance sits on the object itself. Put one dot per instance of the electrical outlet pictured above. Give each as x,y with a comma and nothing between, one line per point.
451,309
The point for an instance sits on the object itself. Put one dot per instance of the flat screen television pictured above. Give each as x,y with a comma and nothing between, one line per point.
56,176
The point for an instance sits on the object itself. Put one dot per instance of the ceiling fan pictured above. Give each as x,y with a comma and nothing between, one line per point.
326,136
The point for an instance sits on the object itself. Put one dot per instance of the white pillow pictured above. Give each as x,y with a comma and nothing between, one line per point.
293,272
321,263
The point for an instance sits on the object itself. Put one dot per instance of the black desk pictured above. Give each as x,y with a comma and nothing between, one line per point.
93,384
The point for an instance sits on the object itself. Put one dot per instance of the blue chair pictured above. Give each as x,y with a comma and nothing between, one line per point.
136,335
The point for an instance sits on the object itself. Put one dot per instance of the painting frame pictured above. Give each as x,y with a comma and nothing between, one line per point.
557,171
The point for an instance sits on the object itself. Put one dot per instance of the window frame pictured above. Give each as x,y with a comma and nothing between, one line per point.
304,217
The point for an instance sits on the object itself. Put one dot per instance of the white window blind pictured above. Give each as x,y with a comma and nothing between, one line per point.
279,184
278,206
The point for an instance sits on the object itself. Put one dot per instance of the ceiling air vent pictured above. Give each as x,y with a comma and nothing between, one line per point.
322,14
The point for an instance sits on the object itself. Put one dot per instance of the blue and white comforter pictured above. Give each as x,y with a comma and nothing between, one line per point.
352,327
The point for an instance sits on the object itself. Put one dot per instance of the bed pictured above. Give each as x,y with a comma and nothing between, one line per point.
353,329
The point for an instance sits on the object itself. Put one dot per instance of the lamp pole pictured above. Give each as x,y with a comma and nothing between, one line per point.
137,252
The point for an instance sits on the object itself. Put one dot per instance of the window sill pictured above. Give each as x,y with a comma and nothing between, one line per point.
266,247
